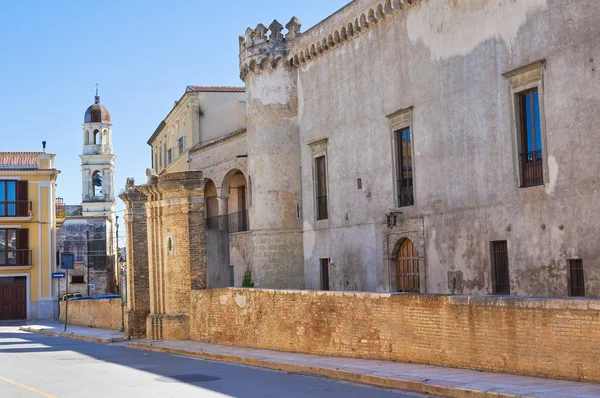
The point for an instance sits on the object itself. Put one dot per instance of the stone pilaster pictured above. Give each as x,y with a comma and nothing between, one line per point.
177,247
138,283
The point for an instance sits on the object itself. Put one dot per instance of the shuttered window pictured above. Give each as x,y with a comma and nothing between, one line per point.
14,201
404,167
530,140
321,187
14,247
576,281
500,276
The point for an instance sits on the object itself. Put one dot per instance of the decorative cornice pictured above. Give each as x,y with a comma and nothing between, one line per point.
345,25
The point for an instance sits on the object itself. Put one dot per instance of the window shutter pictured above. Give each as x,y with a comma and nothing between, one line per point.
22,191
22,239
23,256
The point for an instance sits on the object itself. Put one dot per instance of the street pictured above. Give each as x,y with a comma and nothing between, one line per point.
33,365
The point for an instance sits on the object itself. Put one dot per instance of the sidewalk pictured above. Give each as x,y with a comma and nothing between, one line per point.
424,379
434,380
55,328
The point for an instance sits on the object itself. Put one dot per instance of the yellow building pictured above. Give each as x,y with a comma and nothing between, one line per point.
27,235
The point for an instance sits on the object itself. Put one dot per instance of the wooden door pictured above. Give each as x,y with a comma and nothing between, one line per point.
13,298
407,268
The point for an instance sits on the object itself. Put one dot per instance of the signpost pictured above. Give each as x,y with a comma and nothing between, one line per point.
67,262
58,275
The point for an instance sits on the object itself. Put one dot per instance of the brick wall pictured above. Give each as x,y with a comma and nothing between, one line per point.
541,337
103,314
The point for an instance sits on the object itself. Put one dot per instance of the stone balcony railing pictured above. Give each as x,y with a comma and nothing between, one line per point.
97,149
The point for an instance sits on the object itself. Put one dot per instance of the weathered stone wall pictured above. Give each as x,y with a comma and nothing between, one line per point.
103,314
447,62
541,337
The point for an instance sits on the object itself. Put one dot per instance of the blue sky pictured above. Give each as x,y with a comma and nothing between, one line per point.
142,53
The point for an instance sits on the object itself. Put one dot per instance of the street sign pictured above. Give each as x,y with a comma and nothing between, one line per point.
67,261
58,275
94,284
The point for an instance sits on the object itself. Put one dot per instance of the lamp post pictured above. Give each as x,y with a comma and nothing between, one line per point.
123,296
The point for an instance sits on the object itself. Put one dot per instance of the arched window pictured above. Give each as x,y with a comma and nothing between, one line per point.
97,137
86,137
97,183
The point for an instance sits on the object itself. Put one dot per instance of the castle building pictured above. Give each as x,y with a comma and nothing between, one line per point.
411,146
27,235
88,231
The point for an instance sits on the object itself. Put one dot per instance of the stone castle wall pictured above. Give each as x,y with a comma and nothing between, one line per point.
538,337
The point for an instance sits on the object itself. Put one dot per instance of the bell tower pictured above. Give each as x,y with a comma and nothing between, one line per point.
97,162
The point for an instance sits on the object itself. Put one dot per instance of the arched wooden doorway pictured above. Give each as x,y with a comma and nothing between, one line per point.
407,268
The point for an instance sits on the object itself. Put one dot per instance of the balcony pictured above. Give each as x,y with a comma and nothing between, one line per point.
97,149
232,223
532,169
17,208
15,258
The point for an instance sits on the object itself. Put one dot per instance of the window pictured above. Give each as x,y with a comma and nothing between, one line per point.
180,145
78,253
321,187
530,139
77,279
14,247
324,273
165,153
500,277
404,169
97,183
155,159
13,199
576,282
169,156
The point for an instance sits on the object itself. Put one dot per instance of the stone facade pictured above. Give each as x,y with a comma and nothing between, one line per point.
138,279
539,337
453,76
163,273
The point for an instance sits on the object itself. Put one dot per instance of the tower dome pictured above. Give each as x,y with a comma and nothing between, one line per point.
97,113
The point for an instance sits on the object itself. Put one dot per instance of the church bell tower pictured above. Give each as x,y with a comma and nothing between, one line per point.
97,163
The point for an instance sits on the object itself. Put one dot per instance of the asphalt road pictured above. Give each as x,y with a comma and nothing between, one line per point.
33,365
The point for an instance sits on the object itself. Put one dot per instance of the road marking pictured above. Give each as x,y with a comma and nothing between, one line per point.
34,390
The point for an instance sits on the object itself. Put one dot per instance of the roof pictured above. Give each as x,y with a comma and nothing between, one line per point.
216,89
96,113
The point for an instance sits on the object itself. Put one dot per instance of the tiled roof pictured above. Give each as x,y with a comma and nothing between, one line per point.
217,89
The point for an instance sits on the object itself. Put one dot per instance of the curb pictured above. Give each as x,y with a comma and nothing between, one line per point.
73,336
423,387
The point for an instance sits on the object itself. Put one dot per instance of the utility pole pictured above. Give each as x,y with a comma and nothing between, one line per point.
87,247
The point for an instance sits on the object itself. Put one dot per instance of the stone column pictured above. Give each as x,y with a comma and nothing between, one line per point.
273,155
177,241
138,288
223,212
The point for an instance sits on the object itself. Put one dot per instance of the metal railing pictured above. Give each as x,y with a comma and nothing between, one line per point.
16,257
17,208
532,170
322,208
233,222
405,195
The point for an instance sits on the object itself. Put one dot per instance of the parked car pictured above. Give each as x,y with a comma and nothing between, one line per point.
71,296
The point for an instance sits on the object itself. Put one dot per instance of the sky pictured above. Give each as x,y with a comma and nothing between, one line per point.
143,53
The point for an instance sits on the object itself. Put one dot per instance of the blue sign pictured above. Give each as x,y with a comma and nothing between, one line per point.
58,275
67,261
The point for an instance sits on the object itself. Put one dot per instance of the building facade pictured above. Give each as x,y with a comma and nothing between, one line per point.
27,235
89,230
202,114
426,146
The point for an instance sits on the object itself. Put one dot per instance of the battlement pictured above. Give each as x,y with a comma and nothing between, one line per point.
260,49
263,48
